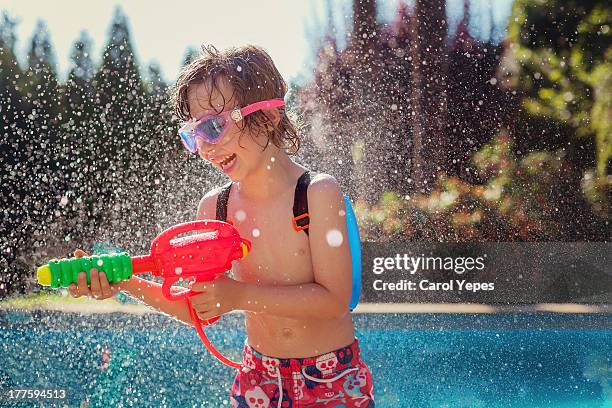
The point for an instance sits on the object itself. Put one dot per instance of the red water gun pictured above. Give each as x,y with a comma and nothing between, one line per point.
196,258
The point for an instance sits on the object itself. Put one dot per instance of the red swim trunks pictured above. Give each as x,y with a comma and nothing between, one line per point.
335,379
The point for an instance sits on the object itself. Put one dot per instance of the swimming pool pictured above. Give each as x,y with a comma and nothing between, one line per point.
417,360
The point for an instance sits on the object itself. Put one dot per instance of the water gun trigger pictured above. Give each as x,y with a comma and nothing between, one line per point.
167,290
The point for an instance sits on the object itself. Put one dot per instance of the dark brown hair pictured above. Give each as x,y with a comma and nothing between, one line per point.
253,76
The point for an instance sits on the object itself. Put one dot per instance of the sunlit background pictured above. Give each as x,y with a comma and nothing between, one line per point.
162,32
443,121
452,121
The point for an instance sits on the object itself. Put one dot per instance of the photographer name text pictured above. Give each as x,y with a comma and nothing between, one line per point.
424,284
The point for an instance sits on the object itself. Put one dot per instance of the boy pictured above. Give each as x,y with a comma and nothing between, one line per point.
294,286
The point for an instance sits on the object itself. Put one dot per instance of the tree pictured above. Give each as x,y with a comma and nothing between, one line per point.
45,163
79,90
78,138
477,105
190,54
117,126
13,138
559,61
358,107
429,61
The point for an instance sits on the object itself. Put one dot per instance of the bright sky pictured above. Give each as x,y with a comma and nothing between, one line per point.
162,31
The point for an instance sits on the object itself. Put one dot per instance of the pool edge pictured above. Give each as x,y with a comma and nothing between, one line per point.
364,308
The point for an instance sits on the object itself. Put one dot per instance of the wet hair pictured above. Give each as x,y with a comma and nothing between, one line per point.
253,77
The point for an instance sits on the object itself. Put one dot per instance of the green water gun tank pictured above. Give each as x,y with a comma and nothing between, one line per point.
62,272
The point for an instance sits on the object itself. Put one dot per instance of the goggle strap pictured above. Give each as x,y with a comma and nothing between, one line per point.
272,103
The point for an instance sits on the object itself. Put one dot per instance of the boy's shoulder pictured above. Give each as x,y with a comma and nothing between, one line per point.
323,182
207,208
324,194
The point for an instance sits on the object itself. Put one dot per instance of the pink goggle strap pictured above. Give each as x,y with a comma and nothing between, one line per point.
272,103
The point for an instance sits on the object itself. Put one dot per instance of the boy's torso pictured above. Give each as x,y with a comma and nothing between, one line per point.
281,256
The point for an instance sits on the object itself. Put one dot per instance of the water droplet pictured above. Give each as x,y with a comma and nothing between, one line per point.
100,262
178,270
256,232
334,238
240,215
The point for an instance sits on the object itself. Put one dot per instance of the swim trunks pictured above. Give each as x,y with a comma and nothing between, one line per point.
335,379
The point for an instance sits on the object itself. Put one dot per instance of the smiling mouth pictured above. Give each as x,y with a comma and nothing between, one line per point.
228,161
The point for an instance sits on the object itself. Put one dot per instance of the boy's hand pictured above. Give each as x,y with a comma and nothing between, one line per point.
219,296
100,288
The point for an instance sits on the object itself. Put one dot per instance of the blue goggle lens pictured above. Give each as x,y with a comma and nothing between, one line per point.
188,139
210,129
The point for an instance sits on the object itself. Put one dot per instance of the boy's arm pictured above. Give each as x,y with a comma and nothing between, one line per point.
150,292
329,296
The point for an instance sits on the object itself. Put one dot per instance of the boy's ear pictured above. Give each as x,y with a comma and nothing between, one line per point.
273,115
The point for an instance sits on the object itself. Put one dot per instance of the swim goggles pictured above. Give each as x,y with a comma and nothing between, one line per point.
212,128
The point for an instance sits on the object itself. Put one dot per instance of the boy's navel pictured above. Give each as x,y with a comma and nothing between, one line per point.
287,332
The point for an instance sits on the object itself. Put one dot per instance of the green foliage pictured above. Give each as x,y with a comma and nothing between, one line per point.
563,51
523,199
12,130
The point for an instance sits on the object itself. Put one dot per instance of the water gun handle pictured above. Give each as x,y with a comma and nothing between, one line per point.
199,324
168,294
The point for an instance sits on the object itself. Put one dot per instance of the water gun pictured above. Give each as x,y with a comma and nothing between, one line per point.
196,258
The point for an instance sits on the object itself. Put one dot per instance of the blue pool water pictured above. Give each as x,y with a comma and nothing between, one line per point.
424,360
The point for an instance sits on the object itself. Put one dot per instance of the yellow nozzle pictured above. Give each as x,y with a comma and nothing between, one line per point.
245,250
44,275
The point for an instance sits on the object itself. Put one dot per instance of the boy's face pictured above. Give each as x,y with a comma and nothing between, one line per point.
234,159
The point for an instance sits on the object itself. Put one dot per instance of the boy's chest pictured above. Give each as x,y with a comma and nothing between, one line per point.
279,254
